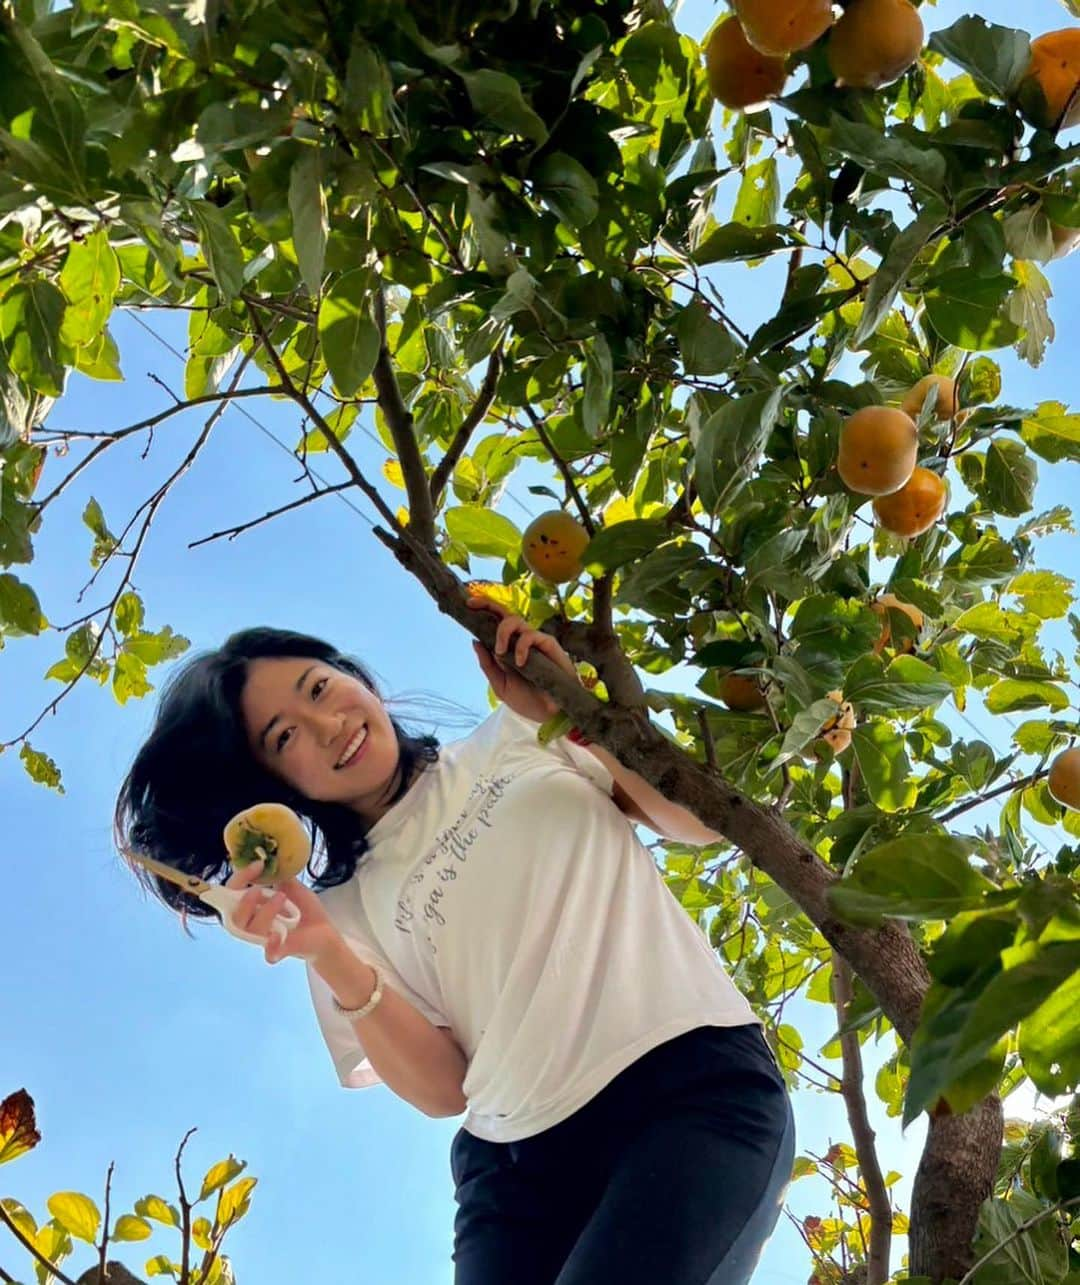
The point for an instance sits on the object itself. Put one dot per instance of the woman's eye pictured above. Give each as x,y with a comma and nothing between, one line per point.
283,739
317,686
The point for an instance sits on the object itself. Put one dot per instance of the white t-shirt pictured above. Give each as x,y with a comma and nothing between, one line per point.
507,897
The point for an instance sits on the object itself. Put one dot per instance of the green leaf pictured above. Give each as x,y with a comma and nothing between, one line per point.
828,627
730,446
90,279
883,762
350,338
152,649
972,1020
158,1209
128,616
733,241
1009,480
369,87
707,345
1052,432
886,283
1009,1254
997,57
307,202
128,1227
568,188
1045,593
623,542
234,1202
53,113
161,1265
220,248
988,561
971,311
599,382
907,683
76,1213
498,99
883,154
20,611
30,321
1011,694
925,876
129,678
40,767
1050,1040
100,358
220,1174
805,726
483,531
758,201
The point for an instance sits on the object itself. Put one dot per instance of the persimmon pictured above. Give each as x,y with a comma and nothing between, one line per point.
1049,94
915,507
781,27
271,831
739,75
836,731
875,42
879,448
1064,778
741,692
881,608
947,404
552,546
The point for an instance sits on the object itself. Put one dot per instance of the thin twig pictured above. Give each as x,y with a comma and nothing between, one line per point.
1033,1221
443,471
185,1212
105,1223
564,469
234,531
1007,788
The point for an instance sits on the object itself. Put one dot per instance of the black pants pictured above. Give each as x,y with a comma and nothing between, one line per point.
674,1174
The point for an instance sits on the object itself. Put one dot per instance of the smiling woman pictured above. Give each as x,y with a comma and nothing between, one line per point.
473,939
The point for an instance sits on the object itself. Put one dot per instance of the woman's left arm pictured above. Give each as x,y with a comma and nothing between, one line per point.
630,792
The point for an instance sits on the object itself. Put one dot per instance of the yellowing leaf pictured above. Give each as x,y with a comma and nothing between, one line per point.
221,1173
76,1213
128,1227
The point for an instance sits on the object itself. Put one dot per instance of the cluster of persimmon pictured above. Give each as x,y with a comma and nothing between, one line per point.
747,53
879,456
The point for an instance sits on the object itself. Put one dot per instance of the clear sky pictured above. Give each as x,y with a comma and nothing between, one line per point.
126,1032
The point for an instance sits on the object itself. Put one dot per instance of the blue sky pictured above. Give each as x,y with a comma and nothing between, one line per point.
126,1032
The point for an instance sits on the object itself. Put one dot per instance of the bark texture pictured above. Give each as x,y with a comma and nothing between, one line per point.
955,1175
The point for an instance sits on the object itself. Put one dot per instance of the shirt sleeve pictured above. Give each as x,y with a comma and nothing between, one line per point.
575,756
354,1070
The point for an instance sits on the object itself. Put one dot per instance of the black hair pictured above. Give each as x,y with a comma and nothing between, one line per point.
196,770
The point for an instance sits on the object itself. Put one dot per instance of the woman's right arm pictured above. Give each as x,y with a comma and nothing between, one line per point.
419,1061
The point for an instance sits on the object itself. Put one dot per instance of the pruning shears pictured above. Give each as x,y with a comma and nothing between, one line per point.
225,901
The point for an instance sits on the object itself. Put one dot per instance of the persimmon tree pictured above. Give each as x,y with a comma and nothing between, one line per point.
519,234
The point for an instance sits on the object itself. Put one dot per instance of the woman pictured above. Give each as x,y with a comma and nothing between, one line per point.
489,936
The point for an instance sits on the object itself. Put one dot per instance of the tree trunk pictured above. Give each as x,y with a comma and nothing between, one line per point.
955,1175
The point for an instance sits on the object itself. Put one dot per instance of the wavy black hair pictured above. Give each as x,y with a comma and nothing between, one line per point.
195,771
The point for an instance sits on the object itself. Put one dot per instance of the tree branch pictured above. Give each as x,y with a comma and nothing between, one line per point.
105,1223
851,1087
400,422
445,468
185,1213
1007,788
233,532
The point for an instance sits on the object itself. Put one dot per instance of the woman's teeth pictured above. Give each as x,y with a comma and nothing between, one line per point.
352,747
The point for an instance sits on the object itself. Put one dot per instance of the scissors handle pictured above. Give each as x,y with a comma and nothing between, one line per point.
226,902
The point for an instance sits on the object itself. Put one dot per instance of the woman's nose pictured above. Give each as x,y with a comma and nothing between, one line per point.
328,726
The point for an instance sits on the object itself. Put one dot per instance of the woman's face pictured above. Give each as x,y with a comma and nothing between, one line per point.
321,731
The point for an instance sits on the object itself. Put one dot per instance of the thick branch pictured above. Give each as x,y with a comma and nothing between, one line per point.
885,957
399,420
851,1086
444,470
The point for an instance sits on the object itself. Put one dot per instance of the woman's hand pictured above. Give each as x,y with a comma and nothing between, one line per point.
314,936
513,690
